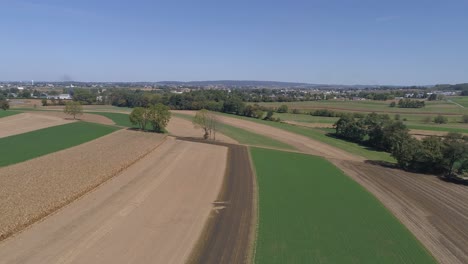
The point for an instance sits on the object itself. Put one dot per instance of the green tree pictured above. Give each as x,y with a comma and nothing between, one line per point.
465,118
282,109
158,116
4,105
138,117
440,119
455,154
73,108
44,102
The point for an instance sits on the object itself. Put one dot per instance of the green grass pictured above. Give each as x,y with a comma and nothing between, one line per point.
371,106
119,119
310,212
22,147
317,134
245,137
8,113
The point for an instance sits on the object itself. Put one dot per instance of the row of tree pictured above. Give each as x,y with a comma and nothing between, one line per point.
408,103
447,156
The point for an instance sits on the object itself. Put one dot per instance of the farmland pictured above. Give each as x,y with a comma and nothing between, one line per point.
8,113
308,209
18,148
244,136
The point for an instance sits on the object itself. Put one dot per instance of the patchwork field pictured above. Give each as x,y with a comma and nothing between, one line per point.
310,212
26,122
22,147
153,212
32,189
240,135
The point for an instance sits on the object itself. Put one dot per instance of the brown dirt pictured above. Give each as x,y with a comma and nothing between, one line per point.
227,236
153,212
435,211
84,117
180,127
26,122
31,190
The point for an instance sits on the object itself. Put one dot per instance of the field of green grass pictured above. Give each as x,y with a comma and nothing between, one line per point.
371,106
462,100
8,113
22,147
310,212
320,135
119,119
245,137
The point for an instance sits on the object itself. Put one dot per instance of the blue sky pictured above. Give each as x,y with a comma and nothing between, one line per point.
334,42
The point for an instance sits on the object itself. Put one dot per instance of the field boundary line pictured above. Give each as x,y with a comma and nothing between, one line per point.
255,215
68,202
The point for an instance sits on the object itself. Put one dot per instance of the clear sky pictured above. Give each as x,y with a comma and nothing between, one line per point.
334,42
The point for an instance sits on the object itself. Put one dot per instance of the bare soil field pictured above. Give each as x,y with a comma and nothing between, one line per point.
229,233
33,189
435,211
93,118
26,122
302,143
153,212
180,127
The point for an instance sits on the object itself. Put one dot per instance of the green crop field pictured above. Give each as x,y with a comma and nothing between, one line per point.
371,106
119,119
8,113
310,212
33,144
320,135
243,136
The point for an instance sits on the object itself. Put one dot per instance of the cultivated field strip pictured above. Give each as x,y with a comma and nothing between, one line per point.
26,122
153,212
435,211
301,143
33,189
228,233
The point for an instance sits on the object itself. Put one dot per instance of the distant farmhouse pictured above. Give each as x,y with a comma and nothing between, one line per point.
60,97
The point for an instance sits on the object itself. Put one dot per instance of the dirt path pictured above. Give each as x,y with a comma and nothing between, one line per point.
180,127
302,143
26,122
436,212
228,234
153,212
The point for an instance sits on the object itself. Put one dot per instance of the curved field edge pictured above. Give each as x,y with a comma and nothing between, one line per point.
22,147
319,135
47,203
8,113
311,212
245,137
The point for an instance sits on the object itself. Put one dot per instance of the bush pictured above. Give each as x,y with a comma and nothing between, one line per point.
392,104
296,111
4,105
465,119
440,119
282,109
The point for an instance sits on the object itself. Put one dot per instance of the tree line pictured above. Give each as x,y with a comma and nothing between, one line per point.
155,116
446,156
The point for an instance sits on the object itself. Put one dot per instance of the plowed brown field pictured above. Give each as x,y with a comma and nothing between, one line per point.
30,190
180,127
153,212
